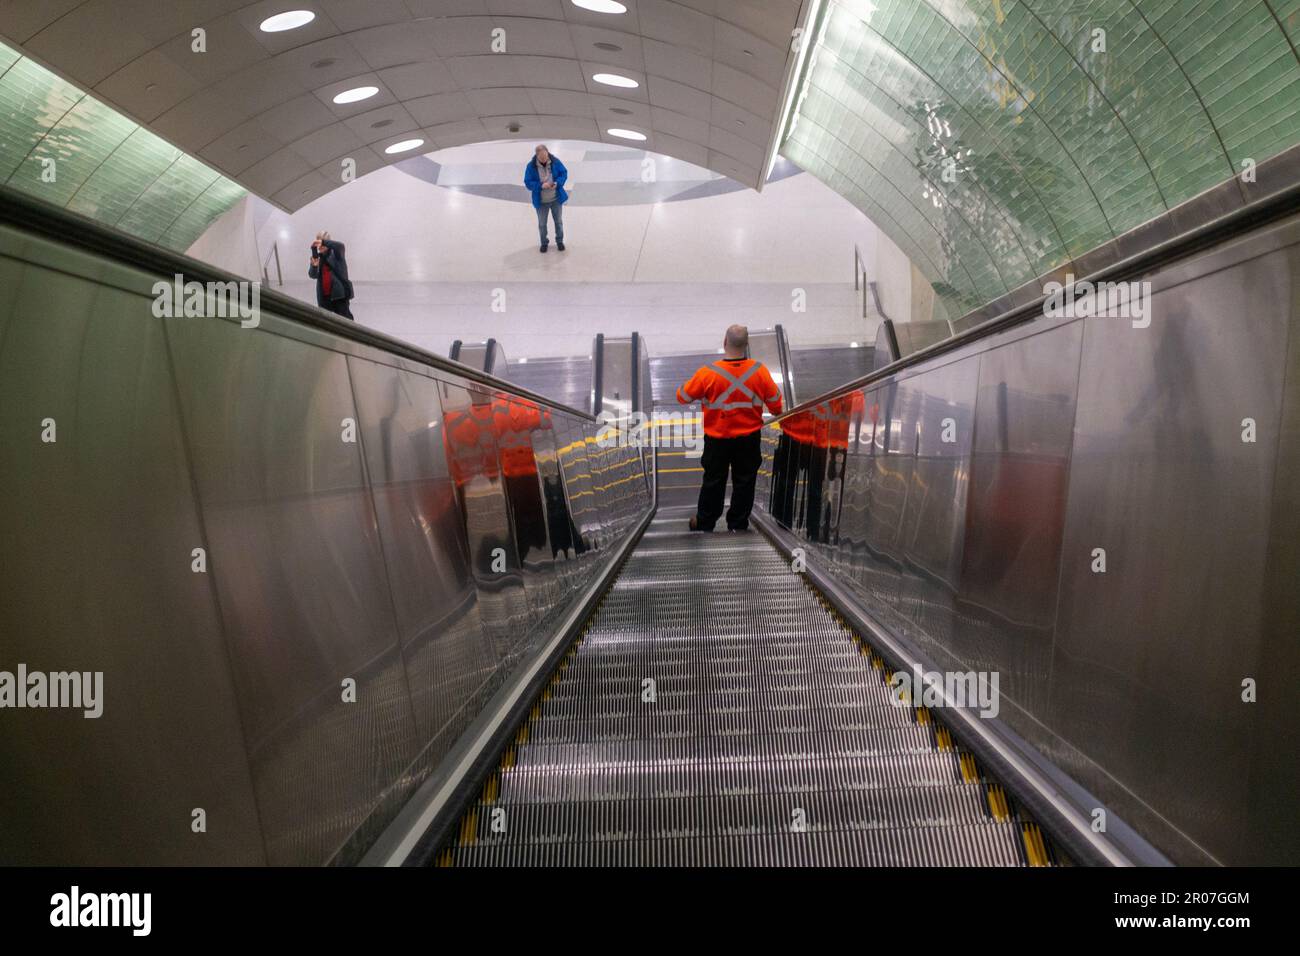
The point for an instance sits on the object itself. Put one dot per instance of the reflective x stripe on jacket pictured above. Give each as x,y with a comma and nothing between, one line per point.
732,394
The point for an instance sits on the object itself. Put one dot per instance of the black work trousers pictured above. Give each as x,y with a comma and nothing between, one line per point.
741,457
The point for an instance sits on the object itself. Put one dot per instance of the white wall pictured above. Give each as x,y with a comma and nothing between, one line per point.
427,260
230,242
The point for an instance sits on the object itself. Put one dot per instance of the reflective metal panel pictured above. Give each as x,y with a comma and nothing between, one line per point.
575,474
469,417
450,658
1151,653
939,417
295,555
1011,558
96,538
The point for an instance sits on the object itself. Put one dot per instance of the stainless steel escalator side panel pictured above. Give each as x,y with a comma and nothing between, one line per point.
1162,480
450,660
97,532
297,563
300,461
1101,433
575,470
470,414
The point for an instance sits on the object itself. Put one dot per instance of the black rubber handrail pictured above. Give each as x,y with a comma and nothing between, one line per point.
69,228
1260,213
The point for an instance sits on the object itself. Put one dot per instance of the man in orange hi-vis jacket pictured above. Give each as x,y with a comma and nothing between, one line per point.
733,393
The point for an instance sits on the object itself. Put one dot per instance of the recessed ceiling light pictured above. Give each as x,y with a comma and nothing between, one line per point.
354,95
620,111
291,20
626,134
404,145
611,47
615,79
601,6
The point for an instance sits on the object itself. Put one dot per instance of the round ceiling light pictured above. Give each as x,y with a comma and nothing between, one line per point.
290,20
356,95
615,79
601,6
404,146
626,134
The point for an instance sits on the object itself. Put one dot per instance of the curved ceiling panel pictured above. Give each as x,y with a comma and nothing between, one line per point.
65,147
260,106
997,140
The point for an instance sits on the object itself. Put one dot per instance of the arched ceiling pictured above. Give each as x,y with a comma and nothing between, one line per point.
258,106
1057,138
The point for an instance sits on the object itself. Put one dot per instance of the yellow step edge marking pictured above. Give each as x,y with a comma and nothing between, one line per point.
469,828
1035,848
446,858
998,803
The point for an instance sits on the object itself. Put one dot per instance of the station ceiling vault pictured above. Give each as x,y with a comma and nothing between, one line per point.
259,106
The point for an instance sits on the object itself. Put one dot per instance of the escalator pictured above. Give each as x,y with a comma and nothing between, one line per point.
716,711
549,669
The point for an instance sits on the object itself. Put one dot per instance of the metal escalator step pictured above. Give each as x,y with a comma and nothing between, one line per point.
771,739
865,742
780,775
773,814
713,722
973,845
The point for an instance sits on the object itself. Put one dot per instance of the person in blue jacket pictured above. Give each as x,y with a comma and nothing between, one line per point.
545,177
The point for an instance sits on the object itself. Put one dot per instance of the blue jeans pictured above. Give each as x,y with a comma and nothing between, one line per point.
557,213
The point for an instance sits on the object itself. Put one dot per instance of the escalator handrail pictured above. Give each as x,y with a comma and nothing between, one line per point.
33,215
1230,225
787,380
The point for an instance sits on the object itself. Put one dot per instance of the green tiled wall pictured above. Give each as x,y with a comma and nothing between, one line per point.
105,166
1057,147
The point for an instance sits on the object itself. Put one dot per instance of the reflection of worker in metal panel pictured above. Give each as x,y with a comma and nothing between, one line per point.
515,420
565,536
733,393
840,412
471,455
799,455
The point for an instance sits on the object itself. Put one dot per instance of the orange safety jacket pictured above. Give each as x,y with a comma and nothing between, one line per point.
467,436
733,393
515,421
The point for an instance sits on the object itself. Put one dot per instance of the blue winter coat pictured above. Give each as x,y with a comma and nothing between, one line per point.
533,180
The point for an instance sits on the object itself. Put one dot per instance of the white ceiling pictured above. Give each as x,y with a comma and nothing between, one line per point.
257,106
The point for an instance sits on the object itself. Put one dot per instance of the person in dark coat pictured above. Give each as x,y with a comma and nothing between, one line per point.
329,267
